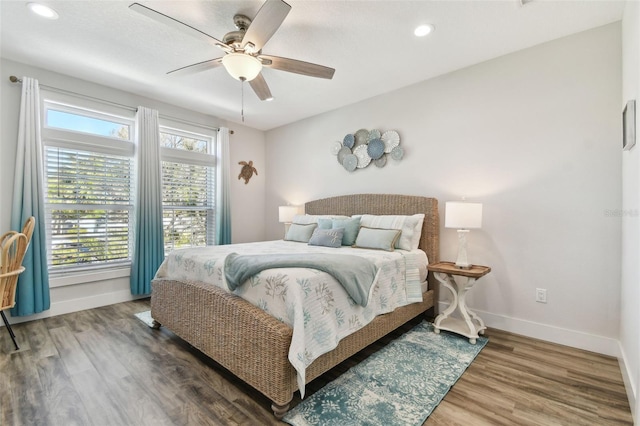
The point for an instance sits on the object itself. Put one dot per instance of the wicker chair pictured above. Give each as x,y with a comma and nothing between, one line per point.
27,230
13,246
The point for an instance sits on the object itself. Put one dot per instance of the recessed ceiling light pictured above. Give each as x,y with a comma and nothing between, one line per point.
42,10
423,30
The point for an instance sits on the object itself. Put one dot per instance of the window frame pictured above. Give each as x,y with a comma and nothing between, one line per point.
209,159
56,137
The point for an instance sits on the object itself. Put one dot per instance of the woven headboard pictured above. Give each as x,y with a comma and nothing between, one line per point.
380,204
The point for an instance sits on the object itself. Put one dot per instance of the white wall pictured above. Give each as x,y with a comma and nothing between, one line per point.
87,291
630,291
247,199
534,136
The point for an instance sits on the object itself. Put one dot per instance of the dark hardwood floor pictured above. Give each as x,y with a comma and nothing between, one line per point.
104,367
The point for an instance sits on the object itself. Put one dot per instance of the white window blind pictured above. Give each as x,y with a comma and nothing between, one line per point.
188,193
89,204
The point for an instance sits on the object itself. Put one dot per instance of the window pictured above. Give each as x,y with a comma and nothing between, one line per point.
89,170
80,123
188,174
88,185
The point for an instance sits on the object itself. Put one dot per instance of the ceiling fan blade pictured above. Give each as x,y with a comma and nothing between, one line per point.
200,66
174,23
297,67
266,23
259,85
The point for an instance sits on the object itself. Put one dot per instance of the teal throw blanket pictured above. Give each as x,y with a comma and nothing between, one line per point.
355,273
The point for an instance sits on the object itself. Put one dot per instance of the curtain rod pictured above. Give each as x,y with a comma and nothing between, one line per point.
15,79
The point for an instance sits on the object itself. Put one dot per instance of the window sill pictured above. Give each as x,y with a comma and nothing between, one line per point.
76,278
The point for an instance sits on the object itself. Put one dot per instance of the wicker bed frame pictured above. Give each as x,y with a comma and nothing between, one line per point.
252,344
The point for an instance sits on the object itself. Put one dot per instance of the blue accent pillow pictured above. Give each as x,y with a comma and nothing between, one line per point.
325,223
327,237
351,227
300,233
376,238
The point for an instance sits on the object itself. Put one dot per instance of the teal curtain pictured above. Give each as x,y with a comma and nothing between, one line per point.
148,248
223,182
32,294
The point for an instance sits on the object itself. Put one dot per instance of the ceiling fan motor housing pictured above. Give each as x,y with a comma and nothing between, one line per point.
234,38
241,22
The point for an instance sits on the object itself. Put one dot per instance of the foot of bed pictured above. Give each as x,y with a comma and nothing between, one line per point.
156,325
279,410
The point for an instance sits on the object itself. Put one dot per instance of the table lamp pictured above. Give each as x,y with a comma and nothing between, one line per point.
463,216
285,215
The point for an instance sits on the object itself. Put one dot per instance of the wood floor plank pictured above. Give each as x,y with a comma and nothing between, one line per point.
192,414
450,413
22,338
99,400
26,391
72,355
105,367
533,388
140,407
150,375
134,399
60,395
7,411
55,321
79,321
40,341
102,356
477,390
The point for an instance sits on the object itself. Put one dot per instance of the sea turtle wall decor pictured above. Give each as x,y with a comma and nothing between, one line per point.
358,150
247,171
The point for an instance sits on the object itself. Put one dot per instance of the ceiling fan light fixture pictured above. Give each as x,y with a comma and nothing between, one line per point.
241,66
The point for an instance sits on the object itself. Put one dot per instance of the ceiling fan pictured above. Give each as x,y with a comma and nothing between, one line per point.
243,57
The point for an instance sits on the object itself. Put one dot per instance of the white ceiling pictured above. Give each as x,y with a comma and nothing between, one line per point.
369,43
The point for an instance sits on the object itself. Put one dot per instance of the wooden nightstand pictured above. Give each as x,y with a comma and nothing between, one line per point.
471,324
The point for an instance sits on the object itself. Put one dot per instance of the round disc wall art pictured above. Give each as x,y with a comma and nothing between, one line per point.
364,147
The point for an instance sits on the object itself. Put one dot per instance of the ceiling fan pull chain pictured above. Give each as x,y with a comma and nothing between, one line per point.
242,99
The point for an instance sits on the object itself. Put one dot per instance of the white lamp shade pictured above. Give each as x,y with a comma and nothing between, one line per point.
286,213
242,66
462,215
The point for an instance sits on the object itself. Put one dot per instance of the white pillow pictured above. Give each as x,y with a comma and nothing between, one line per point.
410,227
305,219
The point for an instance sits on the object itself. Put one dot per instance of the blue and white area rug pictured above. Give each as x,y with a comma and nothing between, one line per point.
400,384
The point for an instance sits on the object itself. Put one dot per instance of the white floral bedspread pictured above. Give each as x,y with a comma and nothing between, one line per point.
312,302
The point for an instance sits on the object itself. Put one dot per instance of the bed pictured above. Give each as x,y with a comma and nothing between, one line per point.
254,345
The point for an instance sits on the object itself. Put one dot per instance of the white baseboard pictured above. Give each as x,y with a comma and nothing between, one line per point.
576,339
632,391
75,305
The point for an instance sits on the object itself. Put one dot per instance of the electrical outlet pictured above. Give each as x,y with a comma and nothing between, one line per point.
541,295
